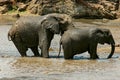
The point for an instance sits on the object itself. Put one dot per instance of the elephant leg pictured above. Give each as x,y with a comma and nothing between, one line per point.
94,56
44,51
44,44
20,46
35,51
93,52
22,49
67,52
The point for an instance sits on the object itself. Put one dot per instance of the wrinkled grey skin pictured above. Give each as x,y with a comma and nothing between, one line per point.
76,41
31,32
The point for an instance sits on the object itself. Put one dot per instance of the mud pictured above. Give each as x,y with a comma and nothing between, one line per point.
14,67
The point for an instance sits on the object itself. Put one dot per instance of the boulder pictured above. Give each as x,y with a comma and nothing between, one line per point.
3,9
4,2
21,6
76,8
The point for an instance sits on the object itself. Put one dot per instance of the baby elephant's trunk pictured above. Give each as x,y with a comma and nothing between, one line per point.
112,51
112,42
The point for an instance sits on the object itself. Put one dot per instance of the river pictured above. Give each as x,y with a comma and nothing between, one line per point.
15,67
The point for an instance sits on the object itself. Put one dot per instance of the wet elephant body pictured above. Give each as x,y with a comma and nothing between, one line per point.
77,41
37,31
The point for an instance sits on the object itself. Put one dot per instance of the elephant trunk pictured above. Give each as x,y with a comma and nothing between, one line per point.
112,51
112,42
59,48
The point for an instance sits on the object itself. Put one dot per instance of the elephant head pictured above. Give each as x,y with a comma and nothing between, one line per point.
105,36
51,24
58,23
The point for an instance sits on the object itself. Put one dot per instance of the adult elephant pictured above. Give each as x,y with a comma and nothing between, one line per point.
31,32
77,41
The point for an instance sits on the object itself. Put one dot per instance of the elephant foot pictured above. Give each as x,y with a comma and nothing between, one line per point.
37,55
23,54
45,56
68,57
94,57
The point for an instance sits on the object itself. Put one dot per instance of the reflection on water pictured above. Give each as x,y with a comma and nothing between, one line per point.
14,67
59,66
41,68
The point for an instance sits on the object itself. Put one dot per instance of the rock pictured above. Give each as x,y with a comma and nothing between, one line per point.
21,6
109,9
43,7
4,2
75,8
108,5
34,10
3,9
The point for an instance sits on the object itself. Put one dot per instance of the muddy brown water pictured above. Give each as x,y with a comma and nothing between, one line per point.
14,67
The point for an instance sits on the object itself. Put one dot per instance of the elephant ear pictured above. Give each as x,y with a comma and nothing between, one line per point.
51,24
99,35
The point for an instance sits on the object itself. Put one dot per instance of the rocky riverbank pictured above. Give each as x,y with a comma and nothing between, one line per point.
76,8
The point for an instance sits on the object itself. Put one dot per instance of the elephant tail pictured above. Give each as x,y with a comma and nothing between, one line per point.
59,49
9,38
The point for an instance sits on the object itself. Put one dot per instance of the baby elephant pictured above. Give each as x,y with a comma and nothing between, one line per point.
76,41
